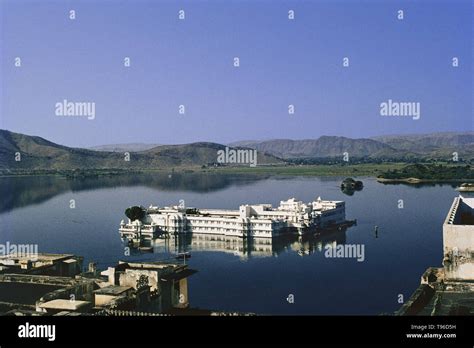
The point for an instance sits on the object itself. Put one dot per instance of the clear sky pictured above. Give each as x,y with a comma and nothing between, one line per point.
190,62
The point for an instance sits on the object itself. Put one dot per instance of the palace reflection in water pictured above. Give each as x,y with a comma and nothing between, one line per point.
244,248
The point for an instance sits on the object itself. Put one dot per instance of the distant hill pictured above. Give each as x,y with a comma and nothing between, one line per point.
39,153
325,146
131,147
436,145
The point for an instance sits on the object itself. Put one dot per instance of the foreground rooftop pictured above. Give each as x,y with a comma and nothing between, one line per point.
440,296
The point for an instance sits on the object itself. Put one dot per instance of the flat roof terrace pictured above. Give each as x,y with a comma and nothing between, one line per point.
24,293
460,213
464,214
43,257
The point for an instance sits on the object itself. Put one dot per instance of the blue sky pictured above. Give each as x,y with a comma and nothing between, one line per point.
190,62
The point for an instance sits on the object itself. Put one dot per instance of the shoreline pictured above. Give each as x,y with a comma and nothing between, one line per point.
421,181
415,181
372,170
364,169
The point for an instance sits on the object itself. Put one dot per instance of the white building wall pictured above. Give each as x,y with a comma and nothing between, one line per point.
457,237
250,220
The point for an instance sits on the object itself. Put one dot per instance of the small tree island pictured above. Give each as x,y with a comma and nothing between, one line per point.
350,183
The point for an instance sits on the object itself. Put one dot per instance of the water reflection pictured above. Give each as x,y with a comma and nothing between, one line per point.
19,192
418,185
350,191
245,248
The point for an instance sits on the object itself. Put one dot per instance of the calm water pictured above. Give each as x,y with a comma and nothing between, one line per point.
37,210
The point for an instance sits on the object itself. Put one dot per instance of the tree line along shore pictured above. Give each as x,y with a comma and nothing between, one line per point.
384,172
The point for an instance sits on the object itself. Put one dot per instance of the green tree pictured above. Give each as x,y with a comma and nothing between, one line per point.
142,281
135,213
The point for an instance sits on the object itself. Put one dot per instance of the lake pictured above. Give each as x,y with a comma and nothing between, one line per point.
248,278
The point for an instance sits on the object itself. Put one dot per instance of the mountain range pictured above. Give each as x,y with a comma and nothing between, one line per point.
39,153
436,145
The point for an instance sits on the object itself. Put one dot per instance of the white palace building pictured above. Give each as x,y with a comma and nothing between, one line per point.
261,220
